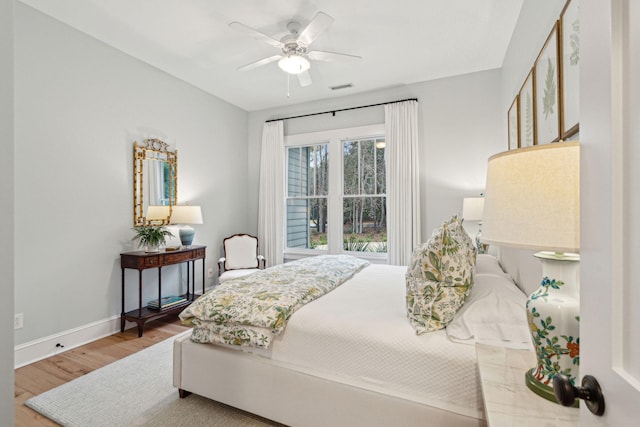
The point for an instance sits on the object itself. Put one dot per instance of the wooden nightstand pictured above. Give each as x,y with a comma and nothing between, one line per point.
507,400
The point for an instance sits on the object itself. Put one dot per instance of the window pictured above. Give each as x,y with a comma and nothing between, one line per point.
336,192
364,202
307,193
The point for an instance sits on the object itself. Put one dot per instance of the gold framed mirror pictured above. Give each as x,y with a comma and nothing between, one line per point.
155,186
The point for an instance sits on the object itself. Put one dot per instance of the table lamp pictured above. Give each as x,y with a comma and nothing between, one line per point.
472,208
186,215
157,214
532,200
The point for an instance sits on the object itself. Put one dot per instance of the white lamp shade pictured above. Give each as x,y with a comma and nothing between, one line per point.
472,208
532,198
186,215
157,213
293,64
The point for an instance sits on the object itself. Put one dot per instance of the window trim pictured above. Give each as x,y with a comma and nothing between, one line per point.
333,137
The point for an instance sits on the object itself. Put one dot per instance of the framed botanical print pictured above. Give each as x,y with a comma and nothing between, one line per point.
547,96
570,68
527,112
513,123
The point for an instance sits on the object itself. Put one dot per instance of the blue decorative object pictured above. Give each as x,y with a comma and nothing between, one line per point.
186,235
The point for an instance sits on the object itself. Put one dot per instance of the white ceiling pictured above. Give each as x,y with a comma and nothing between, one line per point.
401,41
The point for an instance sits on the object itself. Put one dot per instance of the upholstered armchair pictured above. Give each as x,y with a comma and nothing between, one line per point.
240,257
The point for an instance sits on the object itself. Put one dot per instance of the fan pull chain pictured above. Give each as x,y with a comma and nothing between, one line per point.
288,85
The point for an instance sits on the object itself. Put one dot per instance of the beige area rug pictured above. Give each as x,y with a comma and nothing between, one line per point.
136,391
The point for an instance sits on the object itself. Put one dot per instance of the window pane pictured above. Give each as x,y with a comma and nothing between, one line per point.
351,183
297,223
308,171
365,224
307,223
320,164
363,167
318,224
381,187
367,167
296,179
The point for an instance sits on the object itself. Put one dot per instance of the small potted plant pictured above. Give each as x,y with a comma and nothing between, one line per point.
151,237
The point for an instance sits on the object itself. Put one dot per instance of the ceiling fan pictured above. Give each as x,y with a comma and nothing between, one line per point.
295,53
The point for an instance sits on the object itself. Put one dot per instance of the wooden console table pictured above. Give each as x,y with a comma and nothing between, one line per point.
140,261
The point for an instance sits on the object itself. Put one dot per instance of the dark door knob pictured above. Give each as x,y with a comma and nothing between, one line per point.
590,392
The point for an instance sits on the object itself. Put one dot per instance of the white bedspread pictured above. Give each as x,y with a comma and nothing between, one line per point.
354,330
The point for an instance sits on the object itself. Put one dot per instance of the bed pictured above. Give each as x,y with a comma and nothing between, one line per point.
350,357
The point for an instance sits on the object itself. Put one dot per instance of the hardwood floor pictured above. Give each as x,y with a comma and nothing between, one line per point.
49,373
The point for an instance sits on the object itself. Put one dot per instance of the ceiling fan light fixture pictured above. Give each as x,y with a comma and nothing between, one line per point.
293,64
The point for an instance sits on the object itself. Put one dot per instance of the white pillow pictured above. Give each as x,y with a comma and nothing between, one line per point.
488,264
494,313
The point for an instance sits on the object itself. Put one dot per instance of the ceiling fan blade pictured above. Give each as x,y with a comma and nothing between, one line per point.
256,34
318,24
320,55
304,78
259,63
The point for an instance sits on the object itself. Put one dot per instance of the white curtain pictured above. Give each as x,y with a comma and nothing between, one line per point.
403,180
271,197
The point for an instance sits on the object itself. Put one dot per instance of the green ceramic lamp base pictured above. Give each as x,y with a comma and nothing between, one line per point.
542,390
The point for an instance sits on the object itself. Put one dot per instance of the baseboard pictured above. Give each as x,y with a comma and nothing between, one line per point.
42,348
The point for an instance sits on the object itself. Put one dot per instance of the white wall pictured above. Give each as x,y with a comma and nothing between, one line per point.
459,130
6,212
79,105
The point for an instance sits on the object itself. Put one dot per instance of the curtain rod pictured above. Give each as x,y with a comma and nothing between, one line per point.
333,112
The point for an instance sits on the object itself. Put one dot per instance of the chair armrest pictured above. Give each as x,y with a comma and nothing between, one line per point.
221,265
261,262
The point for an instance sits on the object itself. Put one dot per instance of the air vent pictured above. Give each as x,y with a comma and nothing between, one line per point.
348,85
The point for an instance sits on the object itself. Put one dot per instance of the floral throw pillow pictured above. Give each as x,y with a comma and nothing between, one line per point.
440,277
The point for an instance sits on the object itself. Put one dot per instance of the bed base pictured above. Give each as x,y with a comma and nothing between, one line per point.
257,385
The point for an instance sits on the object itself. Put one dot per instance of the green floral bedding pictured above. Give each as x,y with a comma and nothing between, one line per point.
251,310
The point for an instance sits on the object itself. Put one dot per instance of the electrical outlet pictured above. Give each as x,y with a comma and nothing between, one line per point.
210,273
18,322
